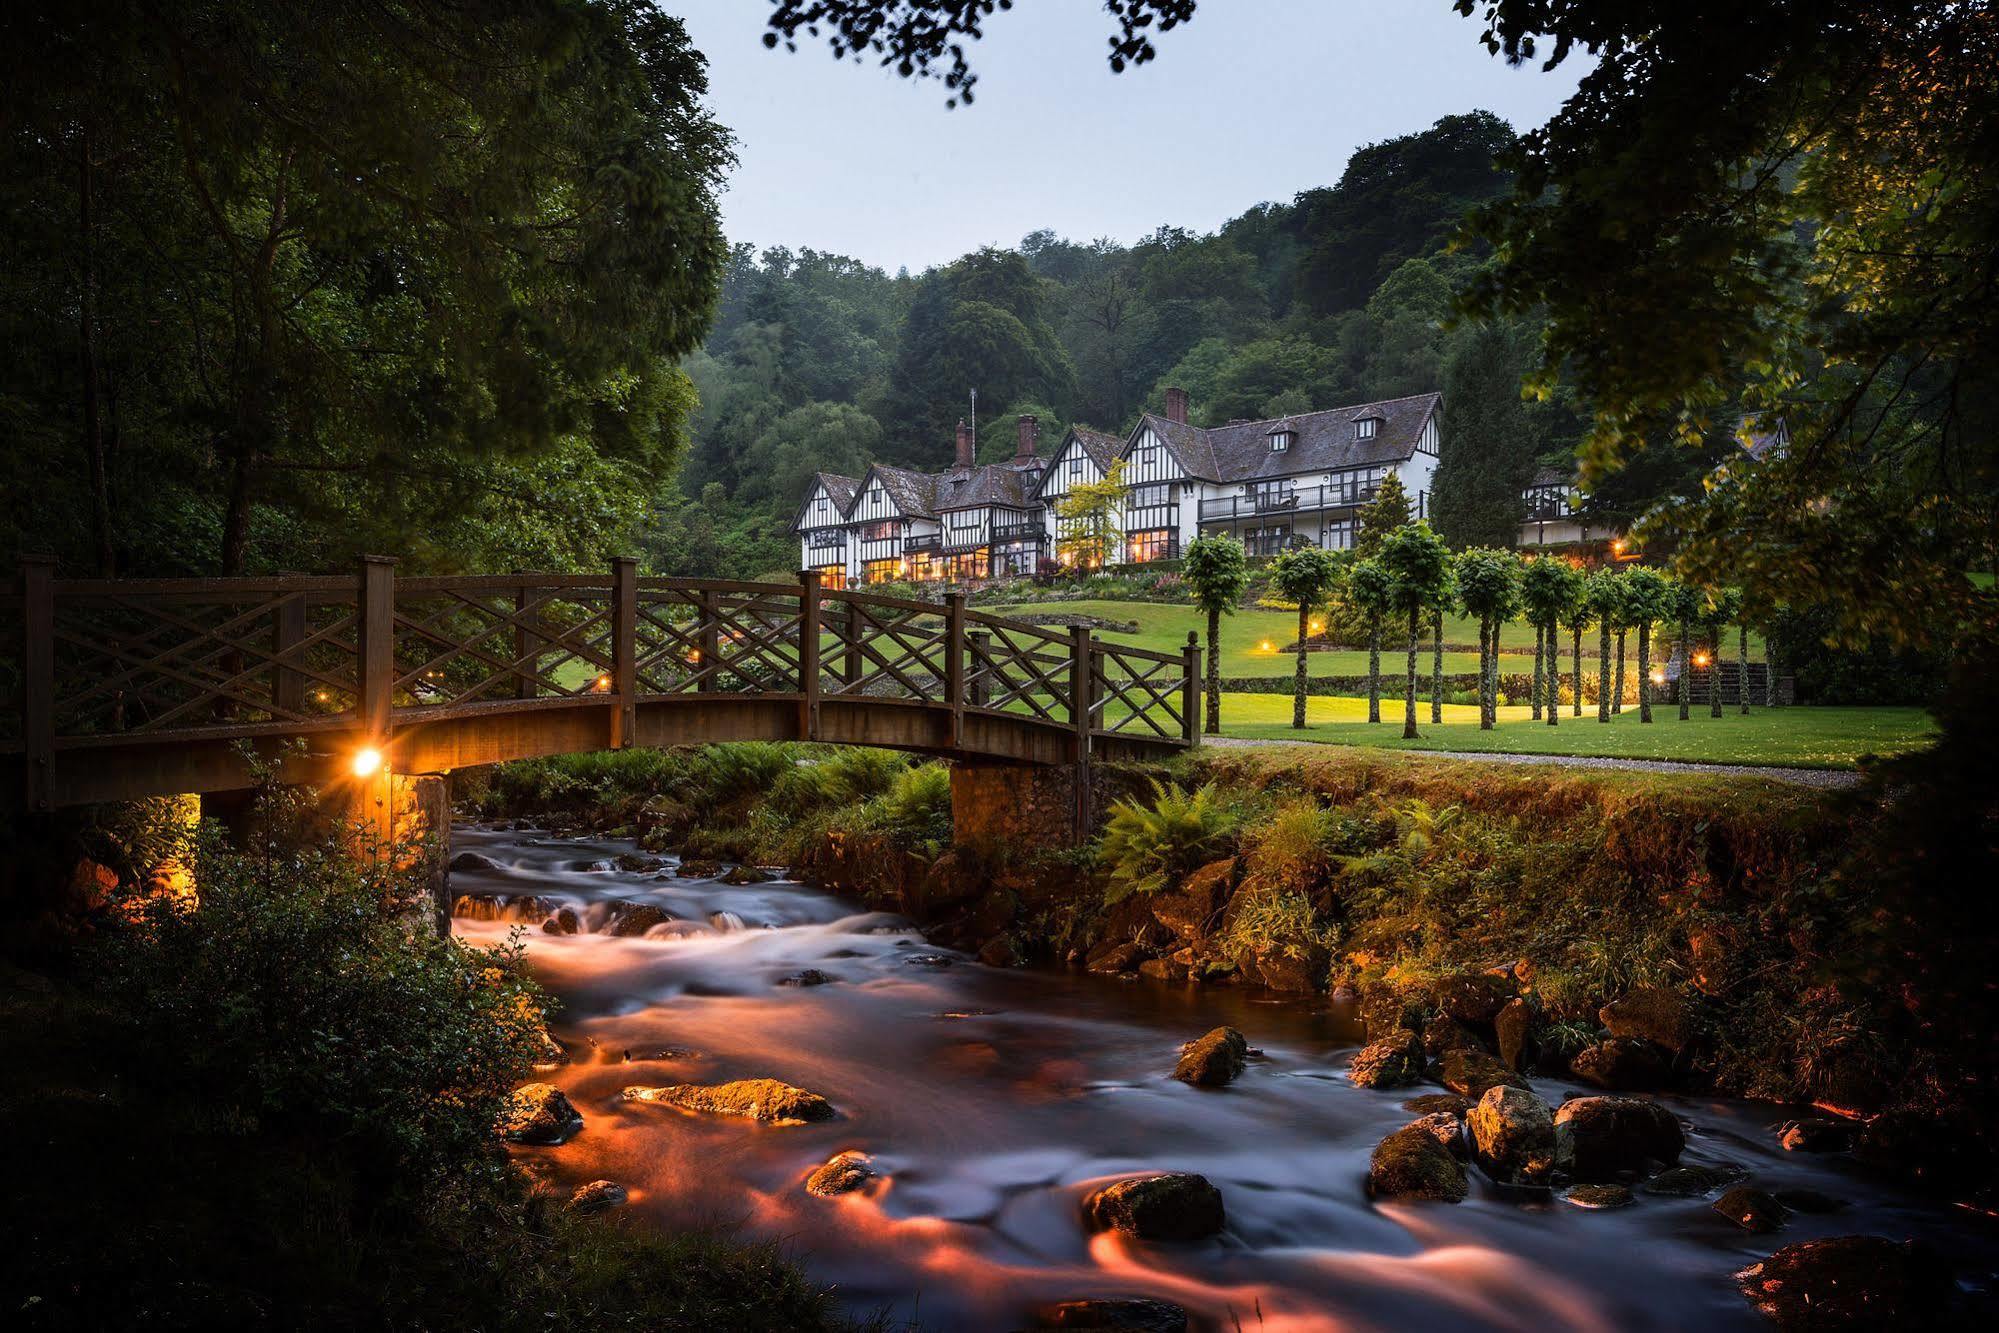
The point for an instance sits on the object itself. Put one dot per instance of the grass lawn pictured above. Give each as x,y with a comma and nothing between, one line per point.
1787,737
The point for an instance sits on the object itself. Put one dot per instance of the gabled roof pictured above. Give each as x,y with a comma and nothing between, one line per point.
1099,446
1552,476
840,490
1324,441
989,484
912,491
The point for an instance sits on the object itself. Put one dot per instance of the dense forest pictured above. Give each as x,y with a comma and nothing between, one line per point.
1344,294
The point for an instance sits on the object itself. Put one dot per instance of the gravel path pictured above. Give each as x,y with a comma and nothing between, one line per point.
1830,779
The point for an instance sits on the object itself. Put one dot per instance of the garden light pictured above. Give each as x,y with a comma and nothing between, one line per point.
1265,646
1700,659
367,761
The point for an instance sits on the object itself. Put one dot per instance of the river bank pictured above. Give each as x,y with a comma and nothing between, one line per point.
989,1105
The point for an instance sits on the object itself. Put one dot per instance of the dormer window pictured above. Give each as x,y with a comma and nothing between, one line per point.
1280,439
1365,428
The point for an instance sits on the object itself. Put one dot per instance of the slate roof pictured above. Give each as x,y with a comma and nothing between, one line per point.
1324,441
1552,476
913,492
1100,446
840,489
989,484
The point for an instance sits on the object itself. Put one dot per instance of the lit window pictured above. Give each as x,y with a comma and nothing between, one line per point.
1154,545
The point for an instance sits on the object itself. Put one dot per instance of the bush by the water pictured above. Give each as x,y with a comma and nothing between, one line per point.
275,1107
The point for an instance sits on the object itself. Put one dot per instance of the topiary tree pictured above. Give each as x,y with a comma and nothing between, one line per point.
1217,571
1385,513
1688,604
1724,608
1738,612
1449,599
1419,569
1370,591
1547,587
1578,615
1308,576
1488,589
1603,595
1648,599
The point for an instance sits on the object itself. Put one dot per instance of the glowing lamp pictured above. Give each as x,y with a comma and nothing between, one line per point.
603,684
1658,678
367,761
1700,659
1316,627
1265,645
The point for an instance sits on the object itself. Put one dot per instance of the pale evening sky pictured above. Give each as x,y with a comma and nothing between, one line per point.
1253,100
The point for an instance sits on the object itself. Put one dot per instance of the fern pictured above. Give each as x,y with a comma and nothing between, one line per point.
1147,847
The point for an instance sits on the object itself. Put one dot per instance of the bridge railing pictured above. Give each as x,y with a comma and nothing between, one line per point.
103,662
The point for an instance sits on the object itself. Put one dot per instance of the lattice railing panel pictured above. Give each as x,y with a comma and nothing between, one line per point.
884,649
142,662
1019,668
1135,692
477,643
726,639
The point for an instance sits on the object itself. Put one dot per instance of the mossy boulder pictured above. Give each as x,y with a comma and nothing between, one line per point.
1752,1209
1691,1182
1395,1062
698,868
1658,1014
1475,998
1851,1282
1192,910
637,918
1623,1064
1513,1136
1412,1163
764,1099
739,875
539,1113
598,1196
1214,1060
1817,1134
1298,969
1115,1314
1602,1138
1439,1103
1470,1072
1447,1034
1514,1030
842,1173
563,921
1171,1206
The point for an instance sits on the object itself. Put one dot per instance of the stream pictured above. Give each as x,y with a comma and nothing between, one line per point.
993,1101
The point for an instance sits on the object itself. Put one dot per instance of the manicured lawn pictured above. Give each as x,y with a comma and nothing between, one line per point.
1788,737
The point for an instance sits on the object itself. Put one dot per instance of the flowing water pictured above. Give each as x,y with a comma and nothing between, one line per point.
994,1101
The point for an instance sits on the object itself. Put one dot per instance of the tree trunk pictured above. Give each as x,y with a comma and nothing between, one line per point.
1742,667
1686,681
1409,697
1617,694
1603,671
1298,677
1769,674
1714,675
1645,673
1214,724
1437,665
1539,640
1487,705
1554,636
1576,658
86,329
1374,669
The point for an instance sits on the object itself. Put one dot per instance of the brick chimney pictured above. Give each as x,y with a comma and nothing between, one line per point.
1029,429
1176,405
967,447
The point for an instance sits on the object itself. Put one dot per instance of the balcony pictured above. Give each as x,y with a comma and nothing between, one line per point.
1298,500
826,539
1018,532
929,543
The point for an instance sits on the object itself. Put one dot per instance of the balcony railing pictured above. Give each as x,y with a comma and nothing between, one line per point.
827,539
1299,499
928,543
1017,532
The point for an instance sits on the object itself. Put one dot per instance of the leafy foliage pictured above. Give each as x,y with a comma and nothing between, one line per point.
1147,847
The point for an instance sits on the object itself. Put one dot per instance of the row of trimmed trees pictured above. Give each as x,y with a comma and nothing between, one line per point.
1412,581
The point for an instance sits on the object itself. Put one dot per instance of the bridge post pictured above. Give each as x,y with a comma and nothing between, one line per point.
1081,705
808,654
375,696
38,680
709,629
1190,690
850,661
527,656
954,662
979,691
624,648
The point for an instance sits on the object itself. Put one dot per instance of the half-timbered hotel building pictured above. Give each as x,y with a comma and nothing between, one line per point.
1294,480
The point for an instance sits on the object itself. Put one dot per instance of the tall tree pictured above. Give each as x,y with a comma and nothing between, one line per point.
1217,572
1547,587
1388,511
1603,596
1370,590
1488,448
1089,520
1419,571
387,259
1648,599
1488,584
1308,576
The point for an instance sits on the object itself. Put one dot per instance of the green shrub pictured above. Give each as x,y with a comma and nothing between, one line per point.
315,1000
914,813
1271,918
1148,847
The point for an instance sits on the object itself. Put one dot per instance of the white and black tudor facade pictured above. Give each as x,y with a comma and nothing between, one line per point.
1295,480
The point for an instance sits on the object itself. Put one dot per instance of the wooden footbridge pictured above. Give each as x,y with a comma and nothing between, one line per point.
125,688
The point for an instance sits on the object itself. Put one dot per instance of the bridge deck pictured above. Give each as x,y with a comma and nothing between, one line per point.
137,687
